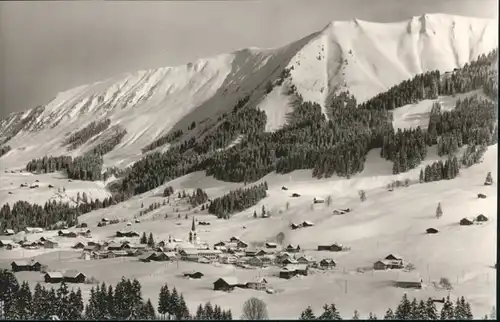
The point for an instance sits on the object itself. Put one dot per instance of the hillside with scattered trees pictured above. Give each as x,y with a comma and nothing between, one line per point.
80,137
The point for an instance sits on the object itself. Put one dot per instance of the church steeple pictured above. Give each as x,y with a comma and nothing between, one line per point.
192,233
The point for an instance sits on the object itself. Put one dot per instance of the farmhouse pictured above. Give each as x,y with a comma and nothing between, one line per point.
251,252
90,248
289,261
306,223
226,284
481,196
305,260
394,257
194,274
408,280
466,222
295,226
481,218
29,245
147,257
287,273
210,254
387,264
79,245
189,254
6,242
9,232
31,266
50,244
228,259
255,261
241,244
292,248
74,277
332,248
271,245
258,283
53,277
291,270
126,234
234,239
263,252
432,230
295,195
220,244
327,263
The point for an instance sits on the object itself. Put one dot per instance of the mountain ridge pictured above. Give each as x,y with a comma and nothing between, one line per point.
364,58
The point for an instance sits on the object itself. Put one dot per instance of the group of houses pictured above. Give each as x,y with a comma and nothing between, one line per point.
303,224
68,277
73,234
42,242
468,222
228,284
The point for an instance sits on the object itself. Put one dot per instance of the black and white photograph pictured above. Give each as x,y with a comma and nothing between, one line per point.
248,160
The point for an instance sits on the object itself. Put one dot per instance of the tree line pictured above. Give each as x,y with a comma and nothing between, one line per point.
109,143
237,200
124,301
440,171
86,167
23,214
406,310
79,137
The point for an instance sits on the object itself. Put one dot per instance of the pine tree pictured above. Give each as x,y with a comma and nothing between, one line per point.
263,211
389,315
372,316
149,311
173,305
430,309
356,315
448,311
200,313
144,239
151,241
414,309
422,311
255,214
329,313
439,211
307,314
489,179
403,312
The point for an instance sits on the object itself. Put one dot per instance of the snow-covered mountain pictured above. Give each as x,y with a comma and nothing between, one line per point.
362,57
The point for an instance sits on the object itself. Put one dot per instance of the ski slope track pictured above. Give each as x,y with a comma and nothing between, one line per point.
362,57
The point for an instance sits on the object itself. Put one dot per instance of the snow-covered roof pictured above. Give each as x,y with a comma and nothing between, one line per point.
54,274
230,280
405,277
6,241
72,274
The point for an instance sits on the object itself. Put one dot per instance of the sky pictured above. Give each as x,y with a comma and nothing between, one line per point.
50,47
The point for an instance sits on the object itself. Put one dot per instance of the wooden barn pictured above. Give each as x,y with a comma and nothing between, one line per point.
127,234
53,277
271,245
194,274
74,277
6,242
258,283
79,245
481,218
292,248
409,280
295,226
29,266
466,222
332,248
327,263
226,284
481,196
295,195
432,230
306,223
9,232
387,264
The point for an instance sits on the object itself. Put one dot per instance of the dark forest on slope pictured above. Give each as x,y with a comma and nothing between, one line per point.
311,140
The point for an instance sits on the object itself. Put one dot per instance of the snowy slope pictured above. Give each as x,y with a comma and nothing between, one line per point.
387,222
363,57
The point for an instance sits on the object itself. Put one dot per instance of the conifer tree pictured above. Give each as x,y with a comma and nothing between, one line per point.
431,310
489,180
144,239
439,211
307,314
355,315
389,315
448,311
151,241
